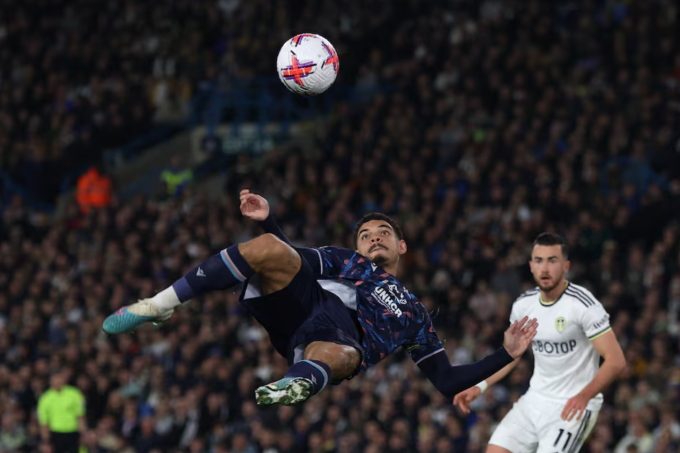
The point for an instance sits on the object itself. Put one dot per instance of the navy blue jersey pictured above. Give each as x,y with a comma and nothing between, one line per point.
389,314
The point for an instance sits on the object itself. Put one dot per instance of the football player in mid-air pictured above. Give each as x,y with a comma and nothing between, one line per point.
559,410
332,312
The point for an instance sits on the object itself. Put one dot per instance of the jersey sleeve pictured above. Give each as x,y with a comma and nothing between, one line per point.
425,343
328,261
594,318
269,225
519,308
514,315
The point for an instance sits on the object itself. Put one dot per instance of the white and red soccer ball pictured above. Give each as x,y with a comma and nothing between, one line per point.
308,64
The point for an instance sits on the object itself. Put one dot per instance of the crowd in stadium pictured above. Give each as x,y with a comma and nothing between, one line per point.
506,119
65,98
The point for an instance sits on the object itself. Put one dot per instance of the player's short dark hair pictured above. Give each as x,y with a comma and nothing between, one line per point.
377,216
552,239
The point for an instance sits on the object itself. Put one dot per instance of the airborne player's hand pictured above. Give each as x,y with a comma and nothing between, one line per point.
464,398
253,206
519,335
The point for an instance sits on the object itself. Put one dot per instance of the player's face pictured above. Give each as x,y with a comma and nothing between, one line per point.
376,240
548,266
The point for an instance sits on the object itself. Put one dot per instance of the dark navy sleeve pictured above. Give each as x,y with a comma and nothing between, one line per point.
269,225
334,261
451,380
428,353
327,261
425,343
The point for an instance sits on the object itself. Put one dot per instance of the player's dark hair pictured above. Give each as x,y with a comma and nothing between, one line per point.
377,216
552,239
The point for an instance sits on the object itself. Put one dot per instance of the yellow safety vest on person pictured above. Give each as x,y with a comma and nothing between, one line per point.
176,180
60,410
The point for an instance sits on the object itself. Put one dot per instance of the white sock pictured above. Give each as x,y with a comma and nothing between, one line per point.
166,299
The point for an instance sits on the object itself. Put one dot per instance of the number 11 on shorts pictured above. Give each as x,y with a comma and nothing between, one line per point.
559,436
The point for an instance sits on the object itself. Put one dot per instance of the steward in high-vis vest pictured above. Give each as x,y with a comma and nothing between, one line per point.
61,414
94,190
176,178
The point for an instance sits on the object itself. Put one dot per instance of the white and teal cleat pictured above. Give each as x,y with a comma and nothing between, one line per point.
286,391
130,317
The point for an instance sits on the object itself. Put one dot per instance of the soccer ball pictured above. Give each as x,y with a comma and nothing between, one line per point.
308,64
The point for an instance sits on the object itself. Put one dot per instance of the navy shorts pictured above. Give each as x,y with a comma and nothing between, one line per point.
302,313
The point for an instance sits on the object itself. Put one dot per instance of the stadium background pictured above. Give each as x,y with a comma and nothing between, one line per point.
477,124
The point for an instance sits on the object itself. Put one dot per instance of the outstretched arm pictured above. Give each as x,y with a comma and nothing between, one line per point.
464,398
450,380
256,208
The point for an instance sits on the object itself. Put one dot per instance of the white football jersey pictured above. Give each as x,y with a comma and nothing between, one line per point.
565,359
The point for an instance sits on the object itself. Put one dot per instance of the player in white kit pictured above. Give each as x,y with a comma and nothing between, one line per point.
561,406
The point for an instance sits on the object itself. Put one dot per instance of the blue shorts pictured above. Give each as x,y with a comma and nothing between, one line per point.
302,313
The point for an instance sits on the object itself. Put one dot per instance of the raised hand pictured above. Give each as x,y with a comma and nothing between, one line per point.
518,337
253,206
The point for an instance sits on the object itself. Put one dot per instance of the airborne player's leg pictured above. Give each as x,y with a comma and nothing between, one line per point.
324,362
274,261
313,329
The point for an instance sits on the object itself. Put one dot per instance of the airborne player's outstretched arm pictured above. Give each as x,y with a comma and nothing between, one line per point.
464,398
449,379
467,396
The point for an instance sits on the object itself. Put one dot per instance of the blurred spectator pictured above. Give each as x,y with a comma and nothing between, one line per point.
12,434
637,437
36,176
94,190
483,302
176,178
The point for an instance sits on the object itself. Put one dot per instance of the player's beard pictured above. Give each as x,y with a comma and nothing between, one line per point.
380,259
553,284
